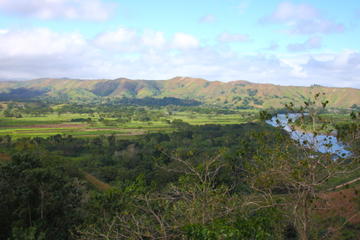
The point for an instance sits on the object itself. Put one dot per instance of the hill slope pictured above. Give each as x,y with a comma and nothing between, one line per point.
235,93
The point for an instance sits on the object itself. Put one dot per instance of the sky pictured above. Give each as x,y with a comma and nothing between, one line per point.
280,42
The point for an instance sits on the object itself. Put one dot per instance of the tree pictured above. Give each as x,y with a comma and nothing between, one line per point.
179,124
354,106
264,115
314,106
350,132
153,215
292,175
196,206
38,196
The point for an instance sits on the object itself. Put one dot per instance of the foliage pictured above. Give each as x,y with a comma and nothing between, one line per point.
20,94
262,224
208,92
264,115
290,175
182,178
40,196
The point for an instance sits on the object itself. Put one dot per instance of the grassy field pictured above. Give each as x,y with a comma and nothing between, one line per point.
52,124
326,124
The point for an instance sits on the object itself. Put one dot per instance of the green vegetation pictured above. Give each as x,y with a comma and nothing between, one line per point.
88,120
166,168
190,91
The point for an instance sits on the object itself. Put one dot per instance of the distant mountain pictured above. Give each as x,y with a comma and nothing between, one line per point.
235,93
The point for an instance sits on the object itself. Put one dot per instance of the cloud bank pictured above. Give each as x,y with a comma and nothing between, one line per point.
151,55
309,44
233,37
302,19
58,9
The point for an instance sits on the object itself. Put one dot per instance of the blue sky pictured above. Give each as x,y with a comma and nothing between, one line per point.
280,42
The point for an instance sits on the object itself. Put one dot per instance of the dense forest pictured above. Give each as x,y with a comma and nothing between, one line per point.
244,180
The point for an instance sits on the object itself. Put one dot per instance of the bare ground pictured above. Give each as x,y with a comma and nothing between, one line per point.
59,125
344,203
4,157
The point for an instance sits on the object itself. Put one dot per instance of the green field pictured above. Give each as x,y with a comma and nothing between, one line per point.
52,124
324,123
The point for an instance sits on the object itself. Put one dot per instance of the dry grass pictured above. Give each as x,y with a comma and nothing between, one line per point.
344,203
59,125
98,184
4,157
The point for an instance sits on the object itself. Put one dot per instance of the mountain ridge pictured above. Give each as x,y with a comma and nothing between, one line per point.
238,93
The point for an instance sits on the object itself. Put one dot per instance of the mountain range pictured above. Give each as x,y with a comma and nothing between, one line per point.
233,94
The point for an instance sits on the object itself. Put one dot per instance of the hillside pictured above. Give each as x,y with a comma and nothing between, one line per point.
234,94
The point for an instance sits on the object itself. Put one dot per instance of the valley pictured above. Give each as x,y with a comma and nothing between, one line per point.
188,166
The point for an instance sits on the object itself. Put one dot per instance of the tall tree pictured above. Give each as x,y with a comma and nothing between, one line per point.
38,195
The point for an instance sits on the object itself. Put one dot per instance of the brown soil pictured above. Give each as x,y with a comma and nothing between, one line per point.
100,185
344,203
4,157
116,134
131,132
60,125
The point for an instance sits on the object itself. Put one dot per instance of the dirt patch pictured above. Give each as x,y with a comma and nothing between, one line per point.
134,133
127,131
100,185
344,203
130,134
4,157
115,134
60,125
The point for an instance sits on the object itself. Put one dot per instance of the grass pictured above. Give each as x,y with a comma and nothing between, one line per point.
330,120
98,184
52,124
341,179
29,120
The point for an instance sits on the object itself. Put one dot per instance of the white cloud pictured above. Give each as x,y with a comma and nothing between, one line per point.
129,40
184,41
297,70
39,42
229,37
153,39
302,19
287,11
122,39
309,44
97,10
343,69
43,53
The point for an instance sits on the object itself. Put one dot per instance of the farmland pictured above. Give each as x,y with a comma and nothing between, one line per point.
90,157
52,124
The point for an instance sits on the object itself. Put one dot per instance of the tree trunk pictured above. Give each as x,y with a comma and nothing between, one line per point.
303,234
42,196
302,215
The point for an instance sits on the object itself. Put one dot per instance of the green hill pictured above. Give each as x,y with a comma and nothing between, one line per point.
234,94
